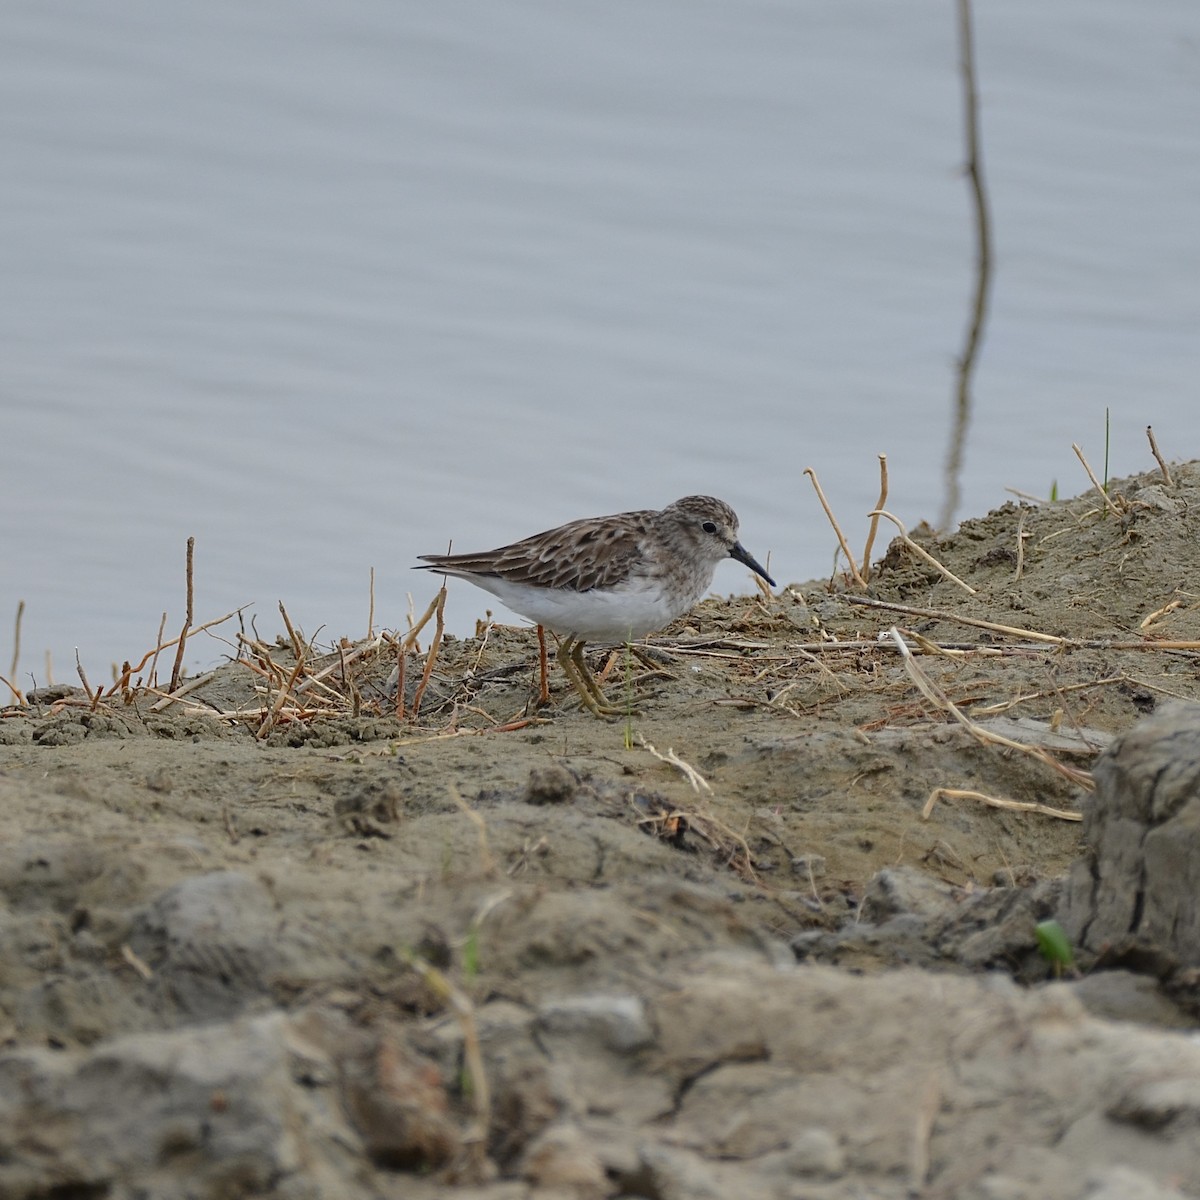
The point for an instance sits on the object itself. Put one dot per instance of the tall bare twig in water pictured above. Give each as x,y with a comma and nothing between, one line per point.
983,266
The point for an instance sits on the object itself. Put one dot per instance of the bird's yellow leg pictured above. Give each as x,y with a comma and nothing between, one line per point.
570,658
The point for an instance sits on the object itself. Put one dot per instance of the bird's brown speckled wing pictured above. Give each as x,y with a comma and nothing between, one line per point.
596,552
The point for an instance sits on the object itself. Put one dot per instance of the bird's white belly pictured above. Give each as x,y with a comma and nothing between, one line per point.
595,616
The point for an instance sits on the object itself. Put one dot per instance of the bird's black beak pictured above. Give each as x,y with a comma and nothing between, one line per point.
738,551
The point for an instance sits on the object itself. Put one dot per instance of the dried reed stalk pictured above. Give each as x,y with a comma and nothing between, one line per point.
16,654
921,553
187,620
873,528
1158,458
1108,502
940,700
431,657
837,529
672,759
87,687
942,793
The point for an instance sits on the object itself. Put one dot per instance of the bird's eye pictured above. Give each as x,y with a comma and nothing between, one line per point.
709,526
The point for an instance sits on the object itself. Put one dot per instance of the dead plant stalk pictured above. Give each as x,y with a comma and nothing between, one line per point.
187,620
922,553
940,700
855,574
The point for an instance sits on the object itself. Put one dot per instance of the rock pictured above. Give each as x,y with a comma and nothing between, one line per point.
1137,889
1125,996
896,891
816,1152
213,942
203,1114
910,919
550,785
619,1023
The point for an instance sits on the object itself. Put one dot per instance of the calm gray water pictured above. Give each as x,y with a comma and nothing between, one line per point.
328,285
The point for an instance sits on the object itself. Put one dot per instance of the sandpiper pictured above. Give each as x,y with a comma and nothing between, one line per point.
608,579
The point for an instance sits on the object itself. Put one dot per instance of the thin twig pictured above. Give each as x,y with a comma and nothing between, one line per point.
293,636
431,657
841,537
868,602
87,687
159,645
874,526
922,553
401,672
985,736
1108,503
16,657
689,772
941,793
192,685
371,609
273,715
187,620
1158,458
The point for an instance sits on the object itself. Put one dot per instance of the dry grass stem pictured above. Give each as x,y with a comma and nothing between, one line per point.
87,687
401,678
371,608
837,529
1029,497
435,646
1158,458
922,553
18,695
1158,614
360,651
187,620
1108,501
192,685
1021,536
978,622
873,528
131,958
941,701
698,782
160,646
415,627
276,709
1060,814
298,647
994,710
152,655
16,655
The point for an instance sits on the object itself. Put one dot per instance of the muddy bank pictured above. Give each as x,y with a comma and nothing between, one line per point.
770,936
